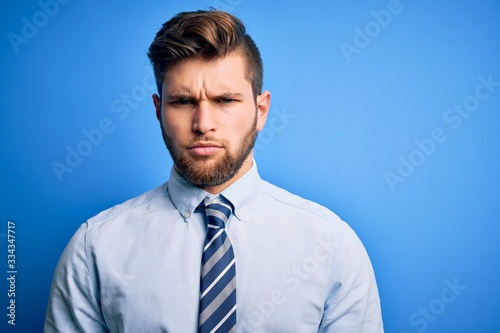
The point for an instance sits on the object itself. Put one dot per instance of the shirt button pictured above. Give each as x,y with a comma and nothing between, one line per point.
187,214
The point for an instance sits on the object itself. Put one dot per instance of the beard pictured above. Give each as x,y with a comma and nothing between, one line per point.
203,171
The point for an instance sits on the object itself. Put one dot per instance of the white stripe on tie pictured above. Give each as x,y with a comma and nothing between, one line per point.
213,239
218,278
223,319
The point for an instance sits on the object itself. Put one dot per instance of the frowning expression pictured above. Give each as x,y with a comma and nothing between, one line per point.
210,119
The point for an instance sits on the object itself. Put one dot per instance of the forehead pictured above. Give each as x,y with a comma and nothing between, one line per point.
227,73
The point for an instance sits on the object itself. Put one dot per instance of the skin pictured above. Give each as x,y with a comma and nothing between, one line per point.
207,113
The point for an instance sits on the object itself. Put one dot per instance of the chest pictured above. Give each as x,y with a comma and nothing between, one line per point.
151,283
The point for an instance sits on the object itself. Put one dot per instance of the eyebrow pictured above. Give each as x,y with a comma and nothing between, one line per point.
187,94
228,94
177,95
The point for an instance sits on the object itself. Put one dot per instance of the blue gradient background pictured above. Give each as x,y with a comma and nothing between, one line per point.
348,123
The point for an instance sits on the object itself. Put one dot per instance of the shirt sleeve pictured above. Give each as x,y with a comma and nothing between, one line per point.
74,304
353,304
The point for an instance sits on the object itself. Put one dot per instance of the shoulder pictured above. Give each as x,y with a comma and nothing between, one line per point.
289,201
132,206
310,221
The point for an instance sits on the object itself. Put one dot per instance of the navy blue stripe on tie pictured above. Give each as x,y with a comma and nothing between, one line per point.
216,244
226,325
218,287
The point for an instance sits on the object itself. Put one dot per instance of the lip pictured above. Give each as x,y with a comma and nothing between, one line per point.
204,148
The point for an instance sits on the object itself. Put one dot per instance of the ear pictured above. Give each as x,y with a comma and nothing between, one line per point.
157,103
263,105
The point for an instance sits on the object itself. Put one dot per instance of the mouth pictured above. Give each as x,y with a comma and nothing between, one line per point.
204,148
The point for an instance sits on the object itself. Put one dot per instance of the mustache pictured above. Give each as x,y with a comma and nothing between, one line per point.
205,141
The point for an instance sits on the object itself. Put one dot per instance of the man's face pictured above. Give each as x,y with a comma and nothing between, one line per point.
210,120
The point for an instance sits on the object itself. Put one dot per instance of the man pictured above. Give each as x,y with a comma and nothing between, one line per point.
216,248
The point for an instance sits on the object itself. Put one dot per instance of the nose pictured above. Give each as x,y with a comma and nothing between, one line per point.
204,118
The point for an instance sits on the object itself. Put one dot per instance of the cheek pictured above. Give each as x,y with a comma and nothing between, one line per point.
245,119
175,126
240,128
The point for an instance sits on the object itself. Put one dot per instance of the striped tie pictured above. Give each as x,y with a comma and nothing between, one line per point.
218,275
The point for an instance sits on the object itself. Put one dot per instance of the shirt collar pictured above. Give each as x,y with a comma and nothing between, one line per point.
186,197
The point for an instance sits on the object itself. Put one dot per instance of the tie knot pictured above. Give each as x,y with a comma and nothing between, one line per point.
217,214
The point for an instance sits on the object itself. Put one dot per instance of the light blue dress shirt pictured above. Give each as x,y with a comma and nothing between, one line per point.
136,267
